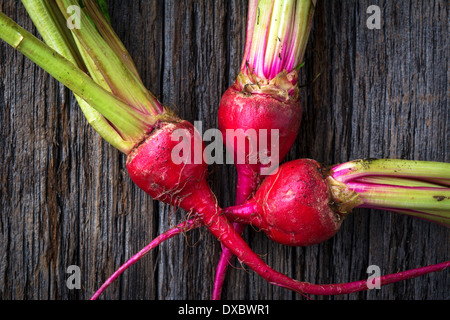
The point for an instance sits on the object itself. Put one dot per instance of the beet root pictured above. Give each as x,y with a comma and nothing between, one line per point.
152,168
240,112
293,207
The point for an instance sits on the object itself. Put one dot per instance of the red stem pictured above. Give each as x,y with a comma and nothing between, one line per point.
246,185
220,227
182,227
223,264
240,248
357,286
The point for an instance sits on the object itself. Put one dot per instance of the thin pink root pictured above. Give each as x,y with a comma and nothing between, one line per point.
246,185
223,264
182,227
351,287
268,273
240,248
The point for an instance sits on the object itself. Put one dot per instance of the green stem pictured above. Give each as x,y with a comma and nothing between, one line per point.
131,127
123,82
416,188
437,172
429,203
400,181
104,27
51,26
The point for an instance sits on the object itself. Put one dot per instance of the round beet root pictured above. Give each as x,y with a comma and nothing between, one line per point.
263,114
155,167
293,206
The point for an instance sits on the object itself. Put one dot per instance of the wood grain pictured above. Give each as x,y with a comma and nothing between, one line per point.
66,198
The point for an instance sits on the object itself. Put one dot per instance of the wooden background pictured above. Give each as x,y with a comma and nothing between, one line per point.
66,198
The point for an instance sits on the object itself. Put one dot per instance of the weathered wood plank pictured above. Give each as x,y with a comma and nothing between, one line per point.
66,199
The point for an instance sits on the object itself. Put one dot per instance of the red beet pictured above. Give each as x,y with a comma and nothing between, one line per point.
242,111
152,168
292,207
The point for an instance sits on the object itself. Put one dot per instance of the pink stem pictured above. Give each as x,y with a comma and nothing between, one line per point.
246,213
357,286
220,227
182,227
247,183
252,12
223,264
